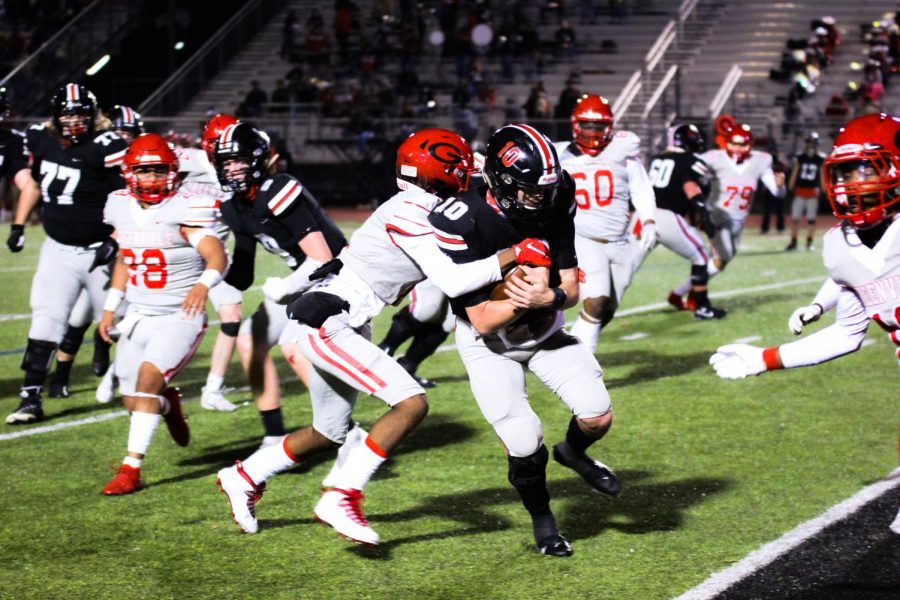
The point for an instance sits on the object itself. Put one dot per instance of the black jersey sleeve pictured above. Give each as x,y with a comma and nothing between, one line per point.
240,273
281,193
562,235
13,153
698,172
108,150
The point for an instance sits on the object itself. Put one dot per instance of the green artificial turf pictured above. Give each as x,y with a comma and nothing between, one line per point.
711,469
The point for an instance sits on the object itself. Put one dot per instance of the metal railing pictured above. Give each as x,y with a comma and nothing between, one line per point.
725,91
68,52
173,95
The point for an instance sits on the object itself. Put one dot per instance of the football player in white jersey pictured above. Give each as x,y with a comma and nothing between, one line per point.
169,258
738,171
392,251
609,174
862,256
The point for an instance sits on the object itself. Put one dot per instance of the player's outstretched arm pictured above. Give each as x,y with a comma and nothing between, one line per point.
736,361
826,299
315,247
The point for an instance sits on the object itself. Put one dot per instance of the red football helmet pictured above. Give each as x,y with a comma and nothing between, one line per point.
436,160
738,142
592,124
212,130
150,152
862,173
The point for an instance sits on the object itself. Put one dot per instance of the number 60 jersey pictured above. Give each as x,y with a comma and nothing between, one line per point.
604,185
162,265
75,181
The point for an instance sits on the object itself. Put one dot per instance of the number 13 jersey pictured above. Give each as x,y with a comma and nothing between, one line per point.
162,264
602,187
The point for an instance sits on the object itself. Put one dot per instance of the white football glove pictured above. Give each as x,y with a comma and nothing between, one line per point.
804,316
648,236
736,361
275,289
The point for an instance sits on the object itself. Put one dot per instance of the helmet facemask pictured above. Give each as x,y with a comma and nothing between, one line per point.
592,135
862,187
152,183
76,125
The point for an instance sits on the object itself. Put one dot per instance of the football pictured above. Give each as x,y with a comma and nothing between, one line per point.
499,291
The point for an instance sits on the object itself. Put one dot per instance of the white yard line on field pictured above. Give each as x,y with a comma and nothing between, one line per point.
721,581
444,348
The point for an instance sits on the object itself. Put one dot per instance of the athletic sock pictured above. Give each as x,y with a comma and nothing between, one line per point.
143,426
701,297
587,332
266,462
362,462
62,372
712,269
273,423
577,439
133,462
214,382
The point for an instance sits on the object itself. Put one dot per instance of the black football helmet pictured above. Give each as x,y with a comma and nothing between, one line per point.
688,138
127,122
241,143
74,100
812,143
4,104
522,169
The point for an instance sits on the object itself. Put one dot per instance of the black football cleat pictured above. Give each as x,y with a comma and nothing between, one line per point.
599,476
100,361
58,390
29,410
555,545
708,313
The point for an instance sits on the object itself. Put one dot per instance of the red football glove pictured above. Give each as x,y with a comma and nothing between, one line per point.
533,252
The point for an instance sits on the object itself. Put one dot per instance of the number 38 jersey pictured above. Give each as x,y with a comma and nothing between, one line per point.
602,186
162,265
75,182
737,182
872,273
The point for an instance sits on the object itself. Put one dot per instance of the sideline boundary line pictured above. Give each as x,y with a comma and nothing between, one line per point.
756,560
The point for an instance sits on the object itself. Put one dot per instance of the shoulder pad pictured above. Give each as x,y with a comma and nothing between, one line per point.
623,145
281,192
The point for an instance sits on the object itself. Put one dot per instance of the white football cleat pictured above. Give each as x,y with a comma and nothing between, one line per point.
215,400
341,510
242,494
355,437
106,391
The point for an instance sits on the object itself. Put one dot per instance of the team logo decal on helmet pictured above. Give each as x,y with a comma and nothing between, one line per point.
436,160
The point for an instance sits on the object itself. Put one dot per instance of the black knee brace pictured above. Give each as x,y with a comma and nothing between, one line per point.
38,356
426,343
403,327
72,339
699,275
529,476
231,329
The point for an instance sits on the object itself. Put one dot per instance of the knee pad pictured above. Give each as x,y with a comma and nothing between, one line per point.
38,356
72,339
231,329
528,470
522,435
699,275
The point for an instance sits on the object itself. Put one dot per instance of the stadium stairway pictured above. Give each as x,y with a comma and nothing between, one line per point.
752,34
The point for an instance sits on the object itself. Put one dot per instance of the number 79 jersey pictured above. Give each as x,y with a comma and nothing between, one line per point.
162,265
602,190
737,182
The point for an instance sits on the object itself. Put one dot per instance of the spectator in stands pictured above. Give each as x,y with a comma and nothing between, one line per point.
528,48
773,206
513,112
537,106
315,20
837,107
316,49
343,25
565,42
281,97
289,32
255,100
568,98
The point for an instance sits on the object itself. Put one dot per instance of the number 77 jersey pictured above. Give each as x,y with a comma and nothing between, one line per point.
602,186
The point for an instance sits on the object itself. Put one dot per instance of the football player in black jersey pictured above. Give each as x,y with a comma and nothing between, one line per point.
679,177
13,161
804,185
75,164
128,124
528,195
280,214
